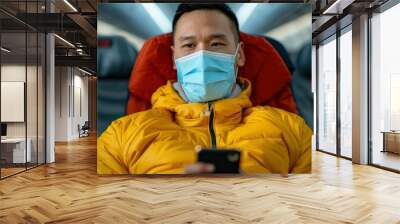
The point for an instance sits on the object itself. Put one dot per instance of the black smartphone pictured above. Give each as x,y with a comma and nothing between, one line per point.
224,160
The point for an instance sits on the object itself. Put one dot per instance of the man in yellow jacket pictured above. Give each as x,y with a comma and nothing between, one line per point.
208,107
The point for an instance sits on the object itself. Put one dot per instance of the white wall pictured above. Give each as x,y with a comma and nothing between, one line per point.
62,80
12,73
71,92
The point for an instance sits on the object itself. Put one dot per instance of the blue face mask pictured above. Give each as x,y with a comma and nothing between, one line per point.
206,75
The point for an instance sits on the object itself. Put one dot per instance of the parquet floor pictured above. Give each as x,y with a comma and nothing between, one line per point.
70,191
9,171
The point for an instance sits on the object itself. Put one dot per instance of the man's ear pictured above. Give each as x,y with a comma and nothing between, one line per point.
173,61
241,59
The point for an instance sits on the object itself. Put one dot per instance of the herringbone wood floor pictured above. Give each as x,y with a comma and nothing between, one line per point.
70,191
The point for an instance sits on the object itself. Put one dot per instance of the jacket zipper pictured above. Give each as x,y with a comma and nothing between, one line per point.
211,126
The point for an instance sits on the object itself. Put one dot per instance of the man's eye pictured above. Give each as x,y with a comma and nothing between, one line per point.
188,45
217,44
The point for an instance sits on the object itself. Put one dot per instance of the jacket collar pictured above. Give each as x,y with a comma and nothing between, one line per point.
227,111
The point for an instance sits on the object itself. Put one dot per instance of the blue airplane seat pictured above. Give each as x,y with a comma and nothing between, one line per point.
115,58
301,78
301,84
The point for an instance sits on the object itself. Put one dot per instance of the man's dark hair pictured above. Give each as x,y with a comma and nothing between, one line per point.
221,7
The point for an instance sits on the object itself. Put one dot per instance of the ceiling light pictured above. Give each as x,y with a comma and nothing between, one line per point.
70,5
158,16
104,28
65,41
245,11
5,50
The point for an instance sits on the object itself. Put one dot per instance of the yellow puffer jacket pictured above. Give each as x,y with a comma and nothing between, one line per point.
162,140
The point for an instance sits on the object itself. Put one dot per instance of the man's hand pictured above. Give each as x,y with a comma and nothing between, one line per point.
197,168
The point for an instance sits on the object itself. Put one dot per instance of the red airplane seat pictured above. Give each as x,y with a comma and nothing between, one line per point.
264,67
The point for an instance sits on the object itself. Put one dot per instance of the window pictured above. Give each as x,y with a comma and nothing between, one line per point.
385,89
346,93
327,96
